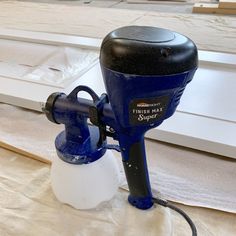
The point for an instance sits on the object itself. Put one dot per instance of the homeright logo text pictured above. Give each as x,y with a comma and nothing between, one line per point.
143,104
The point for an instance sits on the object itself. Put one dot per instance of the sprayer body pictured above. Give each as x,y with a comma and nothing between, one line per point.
145,72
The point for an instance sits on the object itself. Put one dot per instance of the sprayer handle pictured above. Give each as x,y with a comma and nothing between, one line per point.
135,166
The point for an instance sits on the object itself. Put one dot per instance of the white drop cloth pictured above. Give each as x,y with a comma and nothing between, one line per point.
29,208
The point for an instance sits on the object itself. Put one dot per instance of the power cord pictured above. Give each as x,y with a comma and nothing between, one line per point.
165,203
181,212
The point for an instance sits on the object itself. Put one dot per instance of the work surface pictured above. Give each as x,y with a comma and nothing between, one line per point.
28,207
27,204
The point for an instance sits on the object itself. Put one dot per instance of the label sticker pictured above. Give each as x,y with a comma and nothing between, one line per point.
147,110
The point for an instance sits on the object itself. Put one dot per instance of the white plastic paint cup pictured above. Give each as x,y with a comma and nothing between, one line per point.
85,186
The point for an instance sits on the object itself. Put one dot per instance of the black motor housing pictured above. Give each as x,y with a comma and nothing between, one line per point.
144,50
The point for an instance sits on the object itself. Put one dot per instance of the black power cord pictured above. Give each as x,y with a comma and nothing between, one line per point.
181,212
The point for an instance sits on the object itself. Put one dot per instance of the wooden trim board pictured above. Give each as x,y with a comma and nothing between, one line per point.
227,4
186,129
23,152
210,8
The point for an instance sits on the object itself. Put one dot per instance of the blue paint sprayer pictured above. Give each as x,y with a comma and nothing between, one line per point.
145,71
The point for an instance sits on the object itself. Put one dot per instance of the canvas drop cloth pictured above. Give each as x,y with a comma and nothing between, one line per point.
178,174
209,32
29,208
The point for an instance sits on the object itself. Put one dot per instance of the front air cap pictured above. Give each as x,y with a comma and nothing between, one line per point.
142,50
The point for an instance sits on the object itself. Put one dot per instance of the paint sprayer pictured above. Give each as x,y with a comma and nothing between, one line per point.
145,72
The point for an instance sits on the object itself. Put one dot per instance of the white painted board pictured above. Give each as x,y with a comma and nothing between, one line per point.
34,95
211,93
